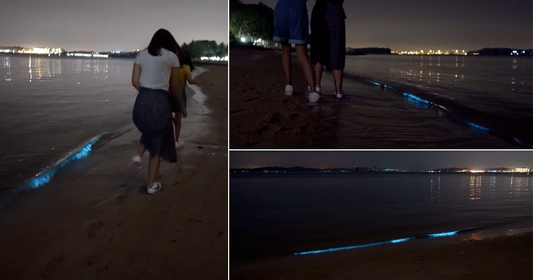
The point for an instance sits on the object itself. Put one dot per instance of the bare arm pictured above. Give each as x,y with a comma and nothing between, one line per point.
136,76
177,89
189,79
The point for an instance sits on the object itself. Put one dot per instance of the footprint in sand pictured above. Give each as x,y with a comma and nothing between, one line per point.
121,198
93,229
51,266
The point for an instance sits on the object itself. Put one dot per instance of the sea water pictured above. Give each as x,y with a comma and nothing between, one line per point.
282,214
448,101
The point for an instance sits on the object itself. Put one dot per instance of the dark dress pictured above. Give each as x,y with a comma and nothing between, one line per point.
328,35
152,116
335,17
319,34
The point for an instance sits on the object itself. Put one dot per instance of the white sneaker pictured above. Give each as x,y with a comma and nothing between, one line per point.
314,97
179,144
136,160
340,94
318,89
288,90
154,188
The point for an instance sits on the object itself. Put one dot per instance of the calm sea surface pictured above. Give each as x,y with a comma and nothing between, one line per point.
493,95
51,106
282,214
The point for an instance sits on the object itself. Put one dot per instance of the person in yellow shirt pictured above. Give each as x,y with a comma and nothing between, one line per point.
185,77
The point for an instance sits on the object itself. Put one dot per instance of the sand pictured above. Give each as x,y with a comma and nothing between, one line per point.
95,220
508,257
261,116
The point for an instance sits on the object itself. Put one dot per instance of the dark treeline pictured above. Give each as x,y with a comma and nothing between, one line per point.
252,21
196,49
374,50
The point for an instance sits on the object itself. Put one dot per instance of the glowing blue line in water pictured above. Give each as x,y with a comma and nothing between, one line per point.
442,234
450,233
353,247
477,126
412,98
377,84
46,175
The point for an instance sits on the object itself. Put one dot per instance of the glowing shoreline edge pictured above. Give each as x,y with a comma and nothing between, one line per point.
417,100
413,98
432,235
44,177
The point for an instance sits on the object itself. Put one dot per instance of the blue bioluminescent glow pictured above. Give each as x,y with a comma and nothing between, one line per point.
46,175
442,234
353,247
477,126
412,97
522,143
377,84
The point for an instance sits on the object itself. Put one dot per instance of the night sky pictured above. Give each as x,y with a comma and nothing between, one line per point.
107,25
434,25
409,160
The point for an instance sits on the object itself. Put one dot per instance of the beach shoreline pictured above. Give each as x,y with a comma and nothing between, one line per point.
468,257
94,219
369,117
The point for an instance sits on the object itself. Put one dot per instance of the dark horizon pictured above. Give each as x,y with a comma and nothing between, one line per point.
101,51
415,25
405,160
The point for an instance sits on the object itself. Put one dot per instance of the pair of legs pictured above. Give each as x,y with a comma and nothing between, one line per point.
301,51
155,160
330,42
152,117
291,26
177,126
153,164
337,76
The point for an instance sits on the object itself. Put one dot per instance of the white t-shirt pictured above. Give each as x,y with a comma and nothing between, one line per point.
155,70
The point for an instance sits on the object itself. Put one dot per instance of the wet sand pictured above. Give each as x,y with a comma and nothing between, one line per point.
508,257
369,117
95,220
261,116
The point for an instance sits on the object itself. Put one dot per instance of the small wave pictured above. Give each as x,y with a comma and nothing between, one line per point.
45,176
508,129
198,95
399,240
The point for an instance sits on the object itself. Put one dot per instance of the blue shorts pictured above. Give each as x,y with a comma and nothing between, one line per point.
291,23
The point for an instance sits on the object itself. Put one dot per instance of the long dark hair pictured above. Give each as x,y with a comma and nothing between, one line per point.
185,59
163,39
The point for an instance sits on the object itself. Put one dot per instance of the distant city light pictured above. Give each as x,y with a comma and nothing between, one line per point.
243,39
214,58
88,55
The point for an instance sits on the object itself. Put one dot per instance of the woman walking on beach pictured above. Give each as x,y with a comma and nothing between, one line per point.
291,26
153,68
328,41
184,77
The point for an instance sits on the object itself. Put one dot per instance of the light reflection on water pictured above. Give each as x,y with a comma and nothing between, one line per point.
50,105
485,83
46,68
